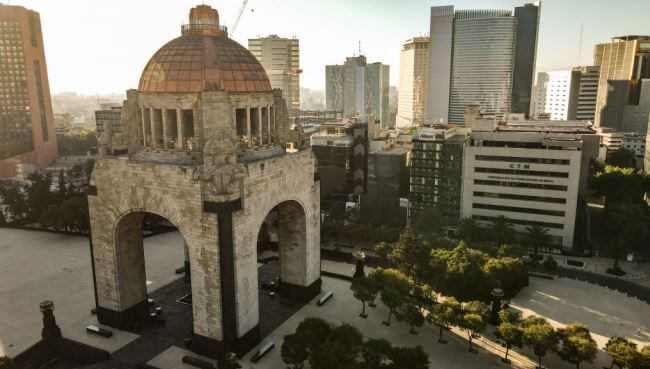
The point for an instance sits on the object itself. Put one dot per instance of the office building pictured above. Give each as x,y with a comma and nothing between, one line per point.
413,77
108,115
357,87
387,186
552,94
27,130
436,171
624,86
280,57
533,173
484,57
584,91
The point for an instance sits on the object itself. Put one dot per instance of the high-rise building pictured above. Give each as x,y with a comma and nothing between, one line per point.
475,56
108,115
624,85
552,94
413,77
280,57
27,132
357,87
584,82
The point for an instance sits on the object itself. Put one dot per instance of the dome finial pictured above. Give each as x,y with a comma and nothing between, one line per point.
204,21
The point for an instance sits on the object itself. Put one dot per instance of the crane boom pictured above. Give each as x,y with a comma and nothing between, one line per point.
241,12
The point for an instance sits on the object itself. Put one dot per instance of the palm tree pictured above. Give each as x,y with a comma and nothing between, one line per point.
470,231
537,237
502,231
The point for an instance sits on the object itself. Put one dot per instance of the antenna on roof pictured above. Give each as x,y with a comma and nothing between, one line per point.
359,48
580,46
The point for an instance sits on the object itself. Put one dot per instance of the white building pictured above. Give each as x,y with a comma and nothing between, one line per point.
280,58
413,76
530,172
552,94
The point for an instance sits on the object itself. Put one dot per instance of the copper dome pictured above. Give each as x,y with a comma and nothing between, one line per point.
194,63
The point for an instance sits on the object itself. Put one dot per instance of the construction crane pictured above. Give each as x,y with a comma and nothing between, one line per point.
241,12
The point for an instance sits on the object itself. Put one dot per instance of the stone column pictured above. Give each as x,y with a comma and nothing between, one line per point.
144,129
152,122
179,128
249,136
268,123
163,118
273,124
259,125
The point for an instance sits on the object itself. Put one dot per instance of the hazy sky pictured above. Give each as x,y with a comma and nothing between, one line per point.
95,46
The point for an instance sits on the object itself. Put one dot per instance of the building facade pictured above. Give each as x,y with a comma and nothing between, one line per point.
475,57
533,173
387,185
413,77
552,95
27,129
109,115
206,137
436,172
584,92
623,87
280,57
357,87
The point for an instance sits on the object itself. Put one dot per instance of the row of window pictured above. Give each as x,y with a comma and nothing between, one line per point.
509,196
514,209
520,185
522,172
515,159
521,222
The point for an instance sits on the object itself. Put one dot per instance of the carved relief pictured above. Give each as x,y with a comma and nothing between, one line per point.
220,172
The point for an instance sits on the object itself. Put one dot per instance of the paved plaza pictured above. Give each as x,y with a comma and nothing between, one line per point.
36,266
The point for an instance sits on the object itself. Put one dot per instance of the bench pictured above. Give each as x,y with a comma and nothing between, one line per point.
197,363
93,329
263,351
323,299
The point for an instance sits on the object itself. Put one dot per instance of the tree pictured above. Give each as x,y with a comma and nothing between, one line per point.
62,185
445,314
411,254
577,344
411,313
365,289
502,232
16,203
39,196
626,228
294,352
464,277
622,158
229,361
536,237
6,363
623,352
332,355
347,335
473,324
643,359
540,336
511,334
313,332
512,317
470,231
408,358
394,289
429,225
509,273
375,352
478,308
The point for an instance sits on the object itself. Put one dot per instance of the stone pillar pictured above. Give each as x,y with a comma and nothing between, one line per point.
179,128
273,124
259,125
163,118
152,122
144,129
186,265
249,136
268,123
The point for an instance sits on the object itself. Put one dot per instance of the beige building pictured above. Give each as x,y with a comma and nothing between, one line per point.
280,57
623,101
27,129
206,135
413,77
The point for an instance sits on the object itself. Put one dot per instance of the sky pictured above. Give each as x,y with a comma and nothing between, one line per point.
97,47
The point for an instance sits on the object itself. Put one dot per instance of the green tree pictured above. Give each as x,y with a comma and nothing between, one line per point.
464,277
365,289
622,158
16,203
536,237
394,289
294,352
470,231
408,358
478,308
509,273
429,225
39,196
643,359
621,184
473,324
444,315
626,228
62,185
313,332
6,363
540,336
511,334
623,352
508,316
333,355
50,218
412,254
411,313
577,344
347,335
375,352
502,231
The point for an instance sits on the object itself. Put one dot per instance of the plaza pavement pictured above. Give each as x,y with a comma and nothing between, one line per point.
37,266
